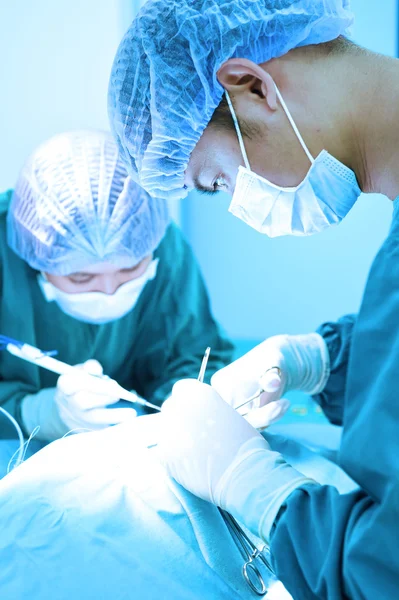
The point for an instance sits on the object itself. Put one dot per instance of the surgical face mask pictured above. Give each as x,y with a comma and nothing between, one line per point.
324,197
97,307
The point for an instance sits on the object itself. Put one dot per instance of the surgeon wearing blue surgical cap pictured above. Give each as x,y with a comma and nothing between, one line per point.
92,266
270,102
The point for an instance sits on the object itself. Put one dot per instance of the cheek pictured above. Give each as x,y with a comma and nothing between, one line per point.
217,153
74,288
278,157
126,277
230,164
62,283
229,159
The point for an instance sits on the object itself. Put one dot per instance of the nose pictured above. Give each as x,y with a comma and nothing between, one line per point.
109,285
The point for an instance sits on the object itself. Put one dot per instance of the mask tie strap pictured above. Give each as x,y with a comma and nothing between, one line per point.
238,130
293,125
289,117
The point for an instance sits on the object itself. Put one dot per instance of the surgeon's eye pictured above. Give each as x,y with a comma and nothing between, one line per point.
81,278
220,184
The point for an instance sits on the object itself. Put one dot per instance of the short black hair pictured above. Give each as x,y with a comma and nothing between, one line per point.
222,120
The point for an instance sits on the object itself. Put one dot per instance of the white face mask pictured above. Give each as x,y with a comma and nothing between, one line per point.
324,197
97,307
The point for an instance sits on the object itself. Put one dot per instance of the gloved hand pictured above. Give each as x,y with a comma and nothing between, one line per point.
213,452
278,365
69,406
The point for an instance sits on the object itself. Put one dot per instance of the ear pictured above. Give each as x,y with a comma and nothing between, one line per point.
241,75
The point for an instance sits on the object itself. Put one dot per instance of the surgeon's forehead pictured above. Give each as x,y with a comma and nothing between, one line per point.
102,268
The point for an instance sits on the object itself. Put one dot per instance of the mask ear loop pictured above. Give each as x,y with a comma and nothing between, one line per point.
238,131
289,117
293,125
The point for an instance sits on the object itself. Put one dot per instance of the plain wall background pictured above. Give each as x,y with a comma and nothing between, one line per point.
55,59
261,287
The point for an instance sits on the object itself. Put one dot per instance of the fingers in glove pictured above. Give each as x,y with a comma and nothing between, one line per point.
84,400
93,367
104,417
70,383
197,406
260,400
268,414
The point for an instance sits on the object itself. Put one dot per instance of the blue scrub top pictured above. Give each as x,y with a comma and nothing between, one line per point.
331,545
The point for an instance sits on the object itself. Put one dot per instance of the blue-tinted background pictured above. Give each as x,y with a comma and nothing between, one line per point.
55,59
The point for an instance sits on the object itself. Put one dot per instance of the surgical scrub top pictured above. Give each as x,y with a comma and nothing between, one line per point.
160,341
331,545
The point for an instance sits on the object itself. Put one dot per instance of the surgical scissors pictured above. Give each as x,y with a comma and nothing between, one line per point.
250,571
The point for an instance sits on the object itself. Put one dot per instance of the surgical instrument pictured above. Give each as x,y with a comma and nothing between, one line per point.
204,365
270,382
251,553
250,571
100,384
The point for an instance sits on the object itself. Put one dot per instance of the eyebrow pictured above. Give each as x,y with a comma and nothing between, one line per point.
134,268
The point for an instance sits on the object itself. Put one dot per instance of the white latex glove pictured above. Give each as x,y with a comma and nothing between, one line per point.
70,407
278,365
213,452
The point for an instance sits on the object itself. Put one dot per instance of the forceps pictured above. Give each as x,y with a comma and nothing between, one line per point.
275,378
250,571
251,553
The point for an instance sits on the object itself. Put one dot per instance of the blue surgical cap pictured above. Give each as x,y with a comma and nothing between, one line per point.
164,90
75,205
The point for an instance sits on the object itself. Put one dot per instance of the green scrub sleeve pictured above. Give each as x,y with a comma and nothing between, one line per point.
11,396
187,355
191,329
338,337
331,545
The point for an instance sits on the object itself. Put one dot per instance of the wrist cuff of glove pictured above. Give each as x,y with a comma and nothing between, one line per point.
276,501
255,488
310,368
39,410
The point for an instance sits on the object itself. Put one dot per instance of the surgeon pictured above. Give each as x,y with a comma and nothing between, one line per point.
92,267
270,102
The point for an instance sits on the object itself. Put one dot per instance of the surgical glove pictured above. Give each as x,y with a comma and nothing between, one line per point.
213,452
278,365
70,407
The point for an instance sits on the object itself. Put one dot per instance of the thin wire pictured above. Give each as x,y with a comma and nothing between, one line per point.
32,435
23,445
20,436
80,429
